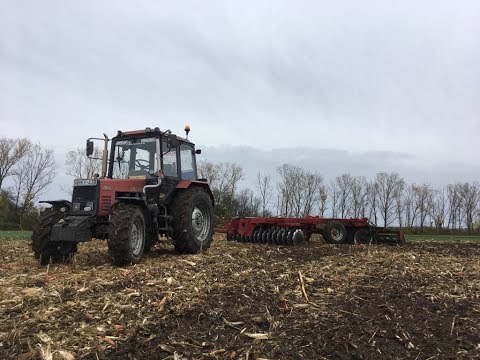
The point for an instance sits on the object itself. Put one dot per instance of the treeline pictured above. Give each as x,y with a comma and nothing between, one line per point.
387,199
26,170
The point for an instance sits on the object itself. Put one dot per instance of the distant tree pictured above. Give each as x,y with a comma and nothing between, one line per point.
32,175
323,196
246,204
286,186
263,185
423,200
297,190
312,185
11,152
470,200
372,197
80,166
344,185
223,178
454,201
359,187
389,185
334,195
438,208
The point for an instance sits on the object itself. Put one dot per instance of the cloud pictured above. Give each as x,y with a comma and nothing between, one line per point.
365,80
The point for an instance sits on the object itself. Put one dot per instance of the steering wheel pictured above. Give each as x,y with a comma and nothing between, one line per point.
138,162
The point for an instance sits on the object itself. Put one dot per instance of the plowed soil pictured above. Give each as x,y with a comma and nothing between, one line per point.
244,301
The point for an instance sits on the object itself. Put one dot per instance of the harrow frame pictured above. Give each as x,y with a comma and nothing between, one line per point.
294,231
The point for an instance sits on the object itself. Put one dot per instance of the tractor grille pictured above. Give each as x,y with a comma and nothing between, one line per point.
83,195
105,203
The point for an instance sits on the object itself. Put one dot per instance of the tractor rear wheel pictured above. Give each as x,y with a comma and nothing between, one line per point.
335,232
50,251
127,235
192,212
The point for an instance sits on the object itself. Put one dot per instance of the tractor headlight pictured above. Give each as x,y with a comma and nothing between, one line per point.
76,206
88,207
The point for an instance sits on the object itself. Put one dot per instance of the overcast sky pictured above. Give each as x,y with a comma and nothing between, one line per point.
358,86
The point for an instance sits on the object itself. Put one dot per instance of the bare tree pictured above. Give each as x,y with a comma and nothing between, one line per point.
80,166
343,184
223,179
373,200
312,183
358,196
297,190
246,204
454,200
438,208
323,196
11,152
423,201
389,185
264,188
286,188
334,195
470,200
32,175
400,207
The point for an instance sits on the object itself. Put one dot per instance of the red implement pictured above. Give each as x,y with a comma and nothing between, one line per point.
293,231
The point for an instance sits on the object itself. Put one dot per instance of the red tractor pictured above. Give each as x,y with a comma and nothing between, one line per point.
148,187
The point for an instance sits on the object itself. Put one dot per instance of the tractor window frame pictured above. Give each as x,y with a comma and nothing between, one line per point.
130,170
172,168
187,150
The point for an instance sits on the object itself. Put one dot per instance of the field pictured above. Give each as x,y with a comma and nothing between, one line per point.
245,301
15,235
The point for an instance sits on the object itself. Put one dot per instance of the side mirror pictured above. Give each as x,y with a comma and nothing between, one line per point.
198,151
172,141
89,147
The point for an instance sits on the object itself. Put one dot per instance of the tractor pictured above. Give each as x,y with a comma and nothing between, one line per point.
148,188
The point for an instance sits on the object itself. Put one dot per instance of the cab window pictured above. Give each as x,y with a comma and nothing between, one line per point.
169,160
187,162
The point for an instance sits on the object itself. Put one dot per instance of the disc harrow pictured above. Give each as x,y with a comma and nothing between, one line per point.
276,236
295,231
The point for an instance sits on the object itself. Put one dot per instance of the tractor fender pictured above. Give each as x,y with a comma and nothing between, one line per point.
58,204
185,184
134,201
130,200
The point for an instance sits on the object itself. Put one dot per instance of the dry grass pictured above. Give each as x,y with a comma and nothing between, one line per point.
244,301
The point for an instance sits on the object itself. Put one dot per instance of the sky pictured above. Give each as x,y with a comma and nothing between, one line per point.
344,86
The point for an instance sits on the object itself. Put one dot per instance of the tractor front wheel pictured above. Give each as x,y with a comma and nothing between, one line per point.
50,251
192,212
126,240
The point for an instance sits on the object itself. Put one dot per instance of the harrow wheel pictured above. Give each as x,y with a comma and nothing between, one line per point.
362,236
335,232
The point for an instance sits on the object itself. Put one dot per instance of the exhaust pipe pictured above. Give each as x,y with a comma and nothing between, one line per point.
105,157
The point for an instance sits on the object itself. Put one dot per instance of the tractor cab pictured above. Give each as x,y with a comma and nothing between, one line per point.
149,153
